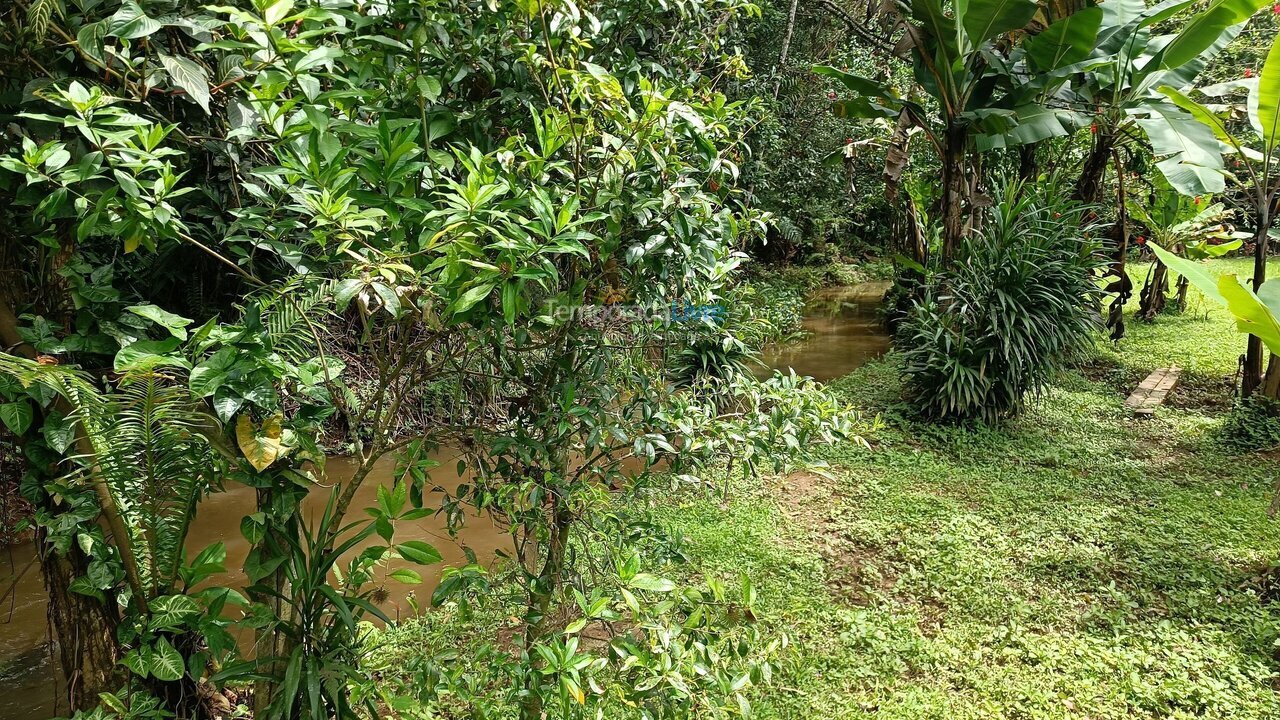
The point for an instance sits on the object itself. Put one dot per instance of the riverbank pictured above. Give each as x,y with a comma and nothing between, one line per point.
1071,563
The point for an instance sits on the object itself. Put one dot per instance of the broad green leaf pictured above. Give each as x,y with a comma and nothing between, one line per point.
166,662
469,299
17,416
188,75
1269,294
346,291
149,353
277,11
209,375
59,431
861,108
130,22
645,581
942,28
1251,314
428,87
858,84
1033,124
417,551
1192,271
175,324
171,611
406,576
1205,28
985,19
1267,114
90,39
1201,113
1193,164
1066,41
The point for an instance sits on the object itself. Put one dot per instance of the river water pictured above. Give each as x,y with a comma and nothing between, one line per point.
843,333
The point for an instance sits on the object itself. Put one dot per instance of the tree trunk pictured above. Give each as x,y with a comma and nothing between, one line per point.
1271,381
271,641
546,585
786,35
1154,292
1182,293
953,191
1092,175
1251,377
1120,286
85,628
1028,168
906,235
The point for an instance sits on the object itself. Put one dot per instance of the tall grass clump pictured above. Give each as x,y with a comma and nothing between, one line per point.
1017,304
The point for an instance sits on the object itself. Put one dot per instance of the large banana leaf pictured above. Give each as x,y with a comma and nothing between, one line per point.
985,19
858,84
1194,157
1204,115
871,99
1268,100
1254,313
947,53
1033,123
1066,41
1204,29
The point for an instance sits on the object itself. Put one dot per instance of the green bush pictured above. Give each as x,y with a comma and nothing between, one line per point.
1017,304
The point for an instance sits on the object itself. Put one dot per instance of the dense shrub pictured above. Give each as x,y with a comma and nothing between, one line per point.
1018,303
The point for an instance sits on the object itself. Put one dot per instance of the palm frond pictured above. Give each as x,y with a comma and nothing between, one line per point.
146,443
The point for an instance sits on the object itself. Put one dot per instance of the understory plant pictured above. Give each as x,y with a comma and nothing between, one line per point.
389,228
1020,303
1193,226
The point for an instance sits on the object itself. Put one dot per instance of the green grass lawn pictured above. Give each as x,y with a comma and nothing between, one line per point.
1072,563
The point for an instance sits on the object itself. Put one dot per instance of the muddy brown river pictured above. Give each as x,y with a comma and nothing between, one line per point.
843,334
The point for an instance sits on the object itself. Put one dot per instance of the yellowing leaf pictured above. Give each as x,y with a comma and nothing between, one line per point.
575,691
261,446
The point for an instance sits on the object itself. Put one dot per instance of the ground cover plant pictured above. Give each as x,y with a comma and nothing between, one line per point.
1071,562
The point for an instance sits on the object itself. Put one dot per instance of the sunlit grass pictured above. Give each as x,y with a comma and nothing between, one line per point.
1072,563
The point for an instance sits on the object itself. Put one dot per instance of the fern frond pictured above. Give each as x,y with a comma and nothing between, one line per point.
291,312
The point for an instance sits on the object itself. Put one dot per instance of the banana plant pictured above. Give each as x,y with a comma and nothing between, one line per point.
992,91
1192,227
1119,89
1121,82
1256,310
1254,149
952,46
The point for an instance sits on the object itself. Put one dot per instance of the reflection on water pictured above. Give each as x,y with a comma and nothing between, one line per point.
29,685
843,333
29,672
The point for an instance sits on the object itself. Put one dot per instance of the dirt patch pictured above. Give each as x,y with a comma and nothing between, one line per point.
855,572
805,496
1204,393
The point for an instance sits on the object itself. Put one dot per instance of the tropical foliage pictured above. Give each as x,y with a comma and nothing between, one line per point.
238,241
1018,305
